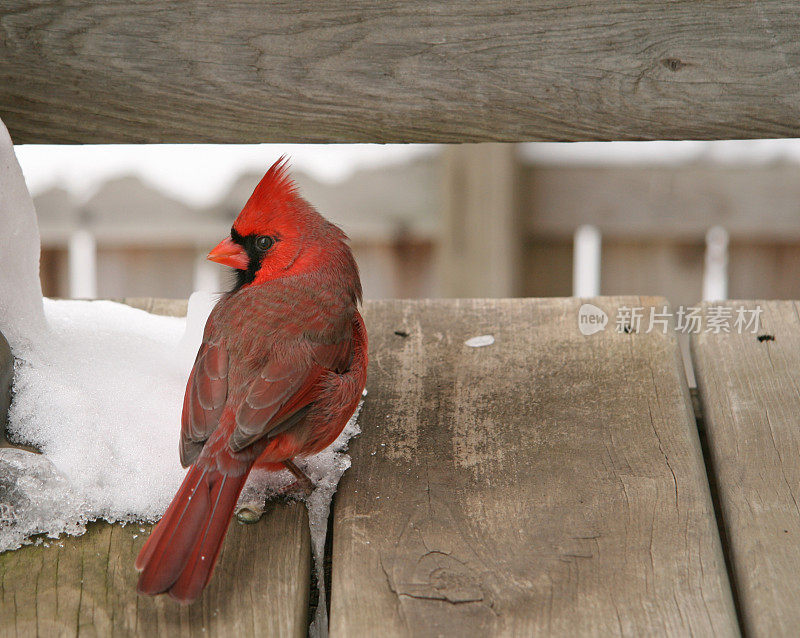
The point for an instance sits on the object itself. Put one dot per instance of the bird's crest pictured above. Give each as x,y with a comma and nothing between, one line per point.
277,184
275,190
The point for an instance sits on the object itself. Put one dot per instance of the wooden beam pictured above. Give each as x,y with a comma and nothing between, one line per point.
548,484
92,71
750,401
482,239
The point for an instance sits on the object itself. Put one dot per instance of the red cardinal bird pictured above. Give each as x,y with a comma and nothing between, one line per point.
280,371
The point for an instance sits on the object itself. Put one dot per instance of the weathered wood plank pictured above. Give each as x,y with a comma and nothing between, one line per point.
92,71
551,483
750,394
87,584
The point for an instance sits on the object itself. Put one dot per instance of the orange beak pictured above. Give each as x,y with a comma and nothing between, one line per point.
229,253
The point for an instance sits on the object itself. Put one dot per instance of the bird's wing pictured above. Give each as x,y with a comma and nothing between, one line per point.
283,391
279,392
206,393
276,399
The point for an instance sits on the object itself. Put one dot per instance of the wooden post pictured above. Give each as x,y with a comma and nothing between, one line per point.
481,241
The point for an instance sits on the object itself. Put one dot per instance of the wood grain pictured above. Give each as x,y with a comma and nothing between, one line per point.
750,394
97,71
87,584
549,484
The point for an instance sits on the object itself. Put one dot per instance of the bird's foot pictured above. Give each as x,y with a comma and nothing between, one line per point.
304,486
303,483
253,511
250,512
297,488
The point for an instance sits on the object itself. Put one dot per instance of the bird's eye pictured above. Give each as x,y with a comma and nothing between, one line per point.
264,242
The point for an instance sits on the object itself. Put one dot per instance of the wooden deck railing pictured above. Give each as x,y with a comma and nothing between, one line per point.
549,483
90,71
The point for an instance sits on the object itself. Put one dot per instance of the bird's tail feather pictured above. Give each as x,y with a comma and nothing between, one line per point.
180,554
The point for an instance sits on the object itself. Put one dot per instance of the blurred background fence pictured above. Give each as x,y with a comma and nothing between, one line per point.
684,220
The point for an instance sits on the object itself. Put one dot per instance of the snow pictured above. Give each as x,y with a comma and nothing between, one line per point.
36,499
20,290
101,397
98,388
480,342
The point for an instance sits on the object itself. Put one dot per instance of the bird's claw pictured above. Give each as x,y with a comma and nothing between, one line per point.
253,512
250,513
297,487
302,482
